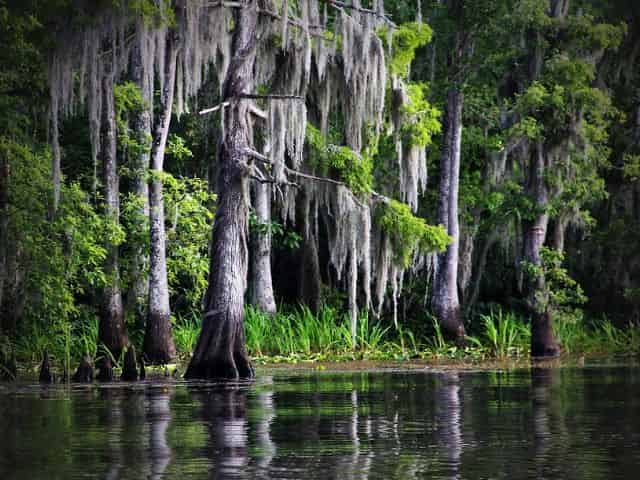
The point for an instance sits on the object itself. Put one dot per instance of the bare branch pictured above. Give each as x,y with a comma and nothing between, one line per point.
295,22
257,156
258,112
224,4
341,6
213,109
271,97
255,110
262,180
296,173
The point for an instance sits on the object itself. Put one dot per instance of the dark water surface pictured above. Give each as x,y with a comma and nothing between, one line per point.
569,423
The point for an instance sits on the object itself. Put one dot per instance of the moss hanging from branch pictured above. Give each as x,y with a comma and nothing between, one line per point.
409,234
356,171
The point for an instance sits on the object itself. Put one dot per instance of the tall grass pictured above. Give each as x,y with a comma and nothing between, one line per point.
185,333
296,332
301,332
436,343
505,335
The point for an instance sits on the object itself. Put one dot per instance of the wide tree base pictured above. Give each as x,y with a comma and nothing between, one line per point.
545,352
221,352
543,342
220,367
158,346
84,372
451,325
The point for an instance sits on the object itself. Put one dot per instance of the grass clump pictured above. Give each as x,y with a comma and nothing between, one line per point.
300,333
504,335
185,333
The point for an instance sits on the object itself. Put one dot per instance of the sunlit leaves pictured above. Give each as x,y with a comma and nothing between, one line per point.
422,119
406,38
409,234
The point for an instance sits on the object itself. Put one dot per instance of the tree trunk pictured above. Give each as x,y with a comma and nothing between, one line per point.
111,331
4,229
559,230
139,294
56,171
543,343
445,302
261,281
14,296
158,339
221,351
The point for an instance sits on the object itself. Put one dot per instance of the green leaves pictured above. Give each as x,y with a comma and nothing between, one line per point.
564,291
422,119
585,34
128,102
282,237
189,216
61,258
409,233
632,167
356,171
406,39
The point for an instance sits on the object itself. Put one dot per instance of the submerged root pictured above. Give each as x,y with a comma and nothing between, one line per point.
84,372
45,369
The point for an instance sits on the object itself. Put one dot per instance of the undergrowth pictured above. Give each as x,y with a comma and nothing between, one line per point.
297,334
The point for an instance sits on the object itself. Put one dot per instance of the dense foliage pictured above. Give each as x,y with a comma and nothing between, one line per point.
563,83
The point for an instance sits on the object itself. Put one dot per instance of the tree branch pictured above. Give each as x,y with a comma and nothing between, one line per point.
258,112
296,173
293,21
257,155
224,4
213,109
341,6
271,97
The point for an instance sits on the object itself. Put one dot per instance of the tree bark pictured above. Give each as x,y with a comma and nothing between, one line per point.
158,339
261,281
56,170
141,123
4,229
534,230
14,296
445,301
111,331
221,351
559,230
543,343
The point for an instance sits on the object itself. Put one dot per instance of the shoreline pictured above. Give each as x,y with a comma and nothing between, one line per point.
263,366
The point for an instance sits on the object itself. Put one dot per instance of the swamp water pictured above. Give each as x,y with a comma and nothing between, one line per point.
569,423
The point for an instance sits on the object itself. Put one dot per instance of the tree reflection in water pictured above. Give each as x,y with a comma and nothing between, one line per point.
224,411
534,423
448,429
159,417
265,446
